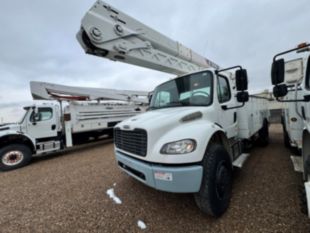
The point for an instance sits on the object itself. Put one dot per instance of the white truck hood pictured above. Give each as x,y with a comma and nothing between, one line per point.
161,118
166,125
9,127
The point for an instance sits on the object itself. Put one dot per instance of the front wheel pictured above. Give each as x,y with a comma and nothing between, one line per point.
214,195
14,156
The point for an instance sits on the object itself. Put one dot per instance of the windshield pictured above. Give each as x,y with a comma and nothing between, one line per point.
189,90
22,116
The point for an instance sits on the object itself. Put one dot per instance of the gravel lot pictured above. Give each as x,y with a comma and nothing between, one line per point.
67,193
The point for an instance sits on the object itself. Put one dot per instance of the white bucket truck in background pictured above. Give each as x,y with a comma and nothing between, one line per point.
292,86
193,133
87,114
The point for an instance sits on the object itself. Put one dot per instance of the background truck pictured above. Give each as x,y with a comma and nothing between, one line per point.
194,132
291,117
87,113
291,82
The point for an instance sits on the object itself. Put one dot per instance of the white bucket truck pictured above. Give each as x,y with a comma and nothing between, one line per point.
292,86
53,126
192,134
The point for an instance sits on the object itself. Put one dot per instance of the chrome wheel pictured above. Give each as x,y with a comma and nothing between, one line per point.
12,158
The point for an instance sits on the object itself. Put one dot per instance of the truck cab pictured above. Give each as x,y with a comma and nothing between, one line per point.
292,114
42,121
189,116
32,135
291,82
201,97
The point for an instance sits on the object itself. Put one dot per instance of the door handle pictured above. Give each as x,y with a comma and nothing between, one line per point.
53,127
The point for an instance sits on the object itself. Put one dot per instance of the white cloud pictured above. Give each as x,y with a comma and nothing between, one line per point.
38,40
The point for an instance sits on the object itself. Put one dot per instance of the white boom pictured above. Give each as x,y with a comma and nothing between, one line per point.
50,91
107,32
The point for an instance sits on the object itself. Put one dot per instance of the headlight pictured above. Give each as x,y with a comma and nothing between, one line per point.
179,147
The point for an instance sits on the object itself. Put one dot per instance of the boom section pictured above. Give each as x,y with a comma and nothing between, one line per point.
51,91
108,32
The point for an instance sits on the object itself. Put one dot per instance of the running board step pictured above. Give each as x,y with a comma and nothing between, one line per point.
241,160
298,163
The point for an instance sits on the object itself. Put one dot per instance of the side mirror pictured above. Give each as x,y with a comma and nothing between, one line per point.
280,90
241,80
36,117
243,96
277,72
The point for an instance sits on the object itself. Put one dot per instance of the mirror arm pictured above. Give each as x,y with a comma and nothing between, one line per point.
229,68
292,101
288,51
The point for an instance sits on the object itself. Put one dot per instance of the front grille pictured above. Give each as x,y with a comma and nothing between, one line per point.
133,141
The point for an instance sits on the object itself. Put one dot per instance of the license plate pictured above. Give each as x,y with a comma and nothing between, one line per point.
163,176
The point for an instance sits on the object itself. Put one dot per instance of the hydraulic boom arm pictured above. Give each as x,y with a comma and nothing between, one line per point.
50,91
108,32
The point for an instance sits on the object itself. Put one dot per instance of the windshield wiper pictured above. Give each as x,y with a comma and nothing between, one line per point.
175,103
171,105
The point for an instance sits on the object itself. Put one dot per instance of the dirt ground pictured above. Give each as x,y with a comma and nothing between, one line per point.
67,193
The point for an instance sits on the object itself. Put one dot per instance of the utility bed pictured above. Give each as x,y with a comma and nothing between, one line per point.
252,115
98,116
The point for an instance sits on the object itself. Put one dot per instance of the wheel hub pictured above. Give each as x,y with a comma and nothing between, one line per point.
12,158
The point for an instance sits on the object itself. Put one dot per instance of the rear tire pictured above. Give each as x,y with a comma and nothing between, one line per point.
214,195
263,135
286,139
14,156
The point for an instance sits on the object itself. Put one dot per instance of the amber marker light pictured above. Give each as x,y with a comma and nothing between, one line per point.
302,45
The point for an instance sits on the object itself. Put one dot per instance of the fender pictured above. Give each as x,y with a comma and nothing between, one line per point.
12,136
201,131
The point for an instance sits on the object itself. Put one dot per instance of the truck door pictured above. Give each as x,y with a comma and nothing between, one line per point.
227,118
43,124
305,106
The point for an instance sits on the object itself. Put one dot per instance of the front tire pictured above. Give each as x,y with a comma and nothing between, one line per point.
14,156
214,195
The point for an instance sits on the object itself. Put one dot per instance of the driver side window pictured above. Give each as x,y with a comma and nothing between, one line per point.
44,114
223,90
